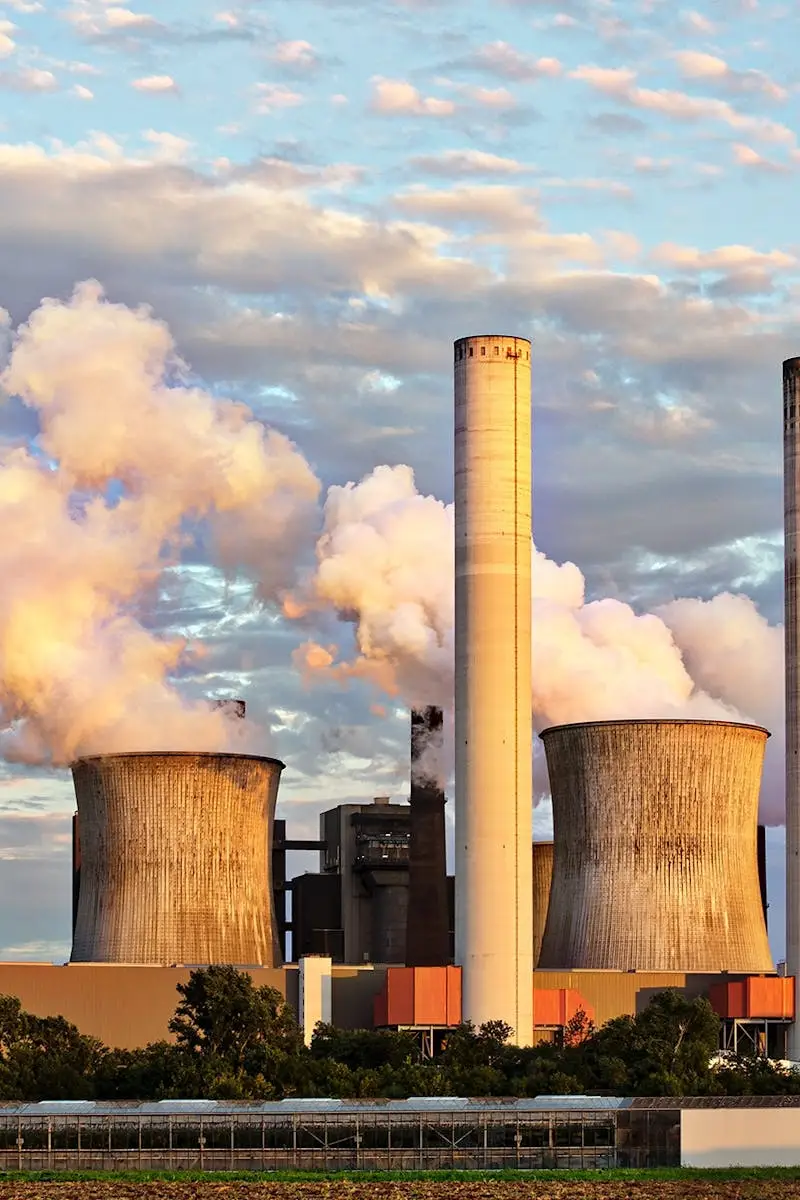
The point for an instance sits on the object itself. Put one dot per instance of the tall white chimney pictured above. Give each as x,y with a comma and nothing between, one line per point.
494,926
791,517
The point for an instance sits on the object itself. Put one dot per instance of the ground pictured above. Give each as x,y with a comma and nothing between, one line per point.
611,1185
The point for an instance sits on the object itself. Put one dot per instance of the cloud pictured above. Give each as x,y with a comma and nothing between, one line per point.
694,65
620,83
271,97
501,58
697,22
7,43
746,156
157,84
397,97
82,92
28,79
93,20
456,163
296,56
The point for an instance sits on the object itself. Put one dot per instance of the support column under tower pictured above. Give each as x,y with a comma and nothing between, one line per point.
791,517
493,732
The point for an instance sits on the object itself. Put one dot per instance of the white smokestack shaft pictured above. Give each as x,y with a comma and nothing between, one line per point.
791,517
494,926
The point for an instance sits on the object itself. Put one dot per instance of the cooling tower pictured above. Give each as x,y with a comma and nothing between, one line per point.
175,854
791,518
542,878
427,936
655,865
493,738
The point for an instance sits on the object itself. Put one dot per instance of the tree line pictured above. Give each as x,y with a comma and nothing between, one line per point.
236,1041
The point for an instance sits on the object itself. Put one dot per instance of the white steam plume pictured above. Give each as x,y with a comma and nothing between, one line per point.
130,459
385,563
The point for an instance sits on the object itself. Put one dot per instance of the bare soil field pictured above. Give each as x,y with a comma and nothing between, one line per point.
759,1188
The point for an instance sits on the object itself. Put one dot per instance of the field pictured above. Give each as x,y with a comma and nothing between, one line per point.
562,1185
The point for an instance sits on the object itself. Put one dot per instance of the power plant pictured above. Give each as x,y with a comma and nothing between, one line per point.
655,865
655,877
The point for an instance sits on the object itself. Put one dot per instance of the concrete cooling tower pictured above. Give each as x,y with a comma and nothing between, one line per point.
542,877
175,855
655,865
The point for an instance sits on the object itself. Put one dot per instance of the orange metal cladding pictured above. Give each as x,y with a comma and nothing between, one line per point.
755,997
557,1006
420,996
432,996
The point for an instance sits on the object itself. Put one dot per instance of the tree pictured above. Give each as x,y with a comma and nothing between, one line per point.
44,1058
666,1049
364,1049
222,1014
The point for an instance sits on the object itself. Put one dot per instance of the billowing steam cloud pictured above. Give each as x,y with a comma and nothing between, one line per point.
129,460
385,563
132,464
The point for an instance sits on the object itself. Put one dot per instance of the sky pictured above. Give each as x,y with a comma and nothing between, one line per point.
317,197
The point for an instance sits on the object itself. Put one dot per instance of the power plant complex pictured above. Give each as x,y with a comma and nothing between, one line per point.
654,878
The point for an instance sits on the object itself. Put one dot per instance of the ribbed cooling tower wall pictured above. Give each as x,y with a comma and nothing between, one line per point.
175,854
542,877
655,863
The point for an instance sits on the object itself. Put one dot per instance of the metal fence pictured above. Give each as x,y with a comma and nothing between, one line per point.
472,1138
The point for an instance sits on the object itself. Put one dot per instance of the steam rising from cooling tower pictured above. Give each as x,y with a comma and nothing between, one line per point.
655,865
129,461
135,466
175,859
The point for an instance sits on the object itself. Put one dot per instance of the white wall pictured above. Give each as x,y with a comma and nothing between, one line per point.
316,1002
740,1137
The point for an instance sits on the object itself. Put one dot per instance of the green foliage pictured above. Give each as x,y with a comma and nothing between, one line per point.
236,1041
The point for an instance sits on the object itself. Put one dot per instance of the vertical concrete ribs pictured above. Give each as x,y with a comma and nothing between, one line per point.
175,855
655,865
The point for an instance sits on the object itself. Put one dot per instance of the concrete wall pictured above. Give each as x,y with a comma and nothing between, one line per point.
655,864
740,1137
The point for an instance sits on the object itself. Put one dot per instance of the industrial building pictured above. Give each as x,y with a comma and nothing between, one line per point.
655,877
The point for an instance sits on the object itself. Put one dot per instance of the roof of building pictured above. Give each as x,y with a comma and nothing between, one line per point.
432,1105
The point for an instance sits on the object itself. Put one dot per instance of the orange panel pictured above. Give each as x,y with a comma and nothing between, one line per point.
400,996
453,995
557,1006
754,997
379,1018
769,997
430,995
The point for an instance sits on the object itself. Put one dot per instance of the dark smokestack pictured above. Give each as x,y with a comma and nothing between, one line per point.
427,941
231,708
